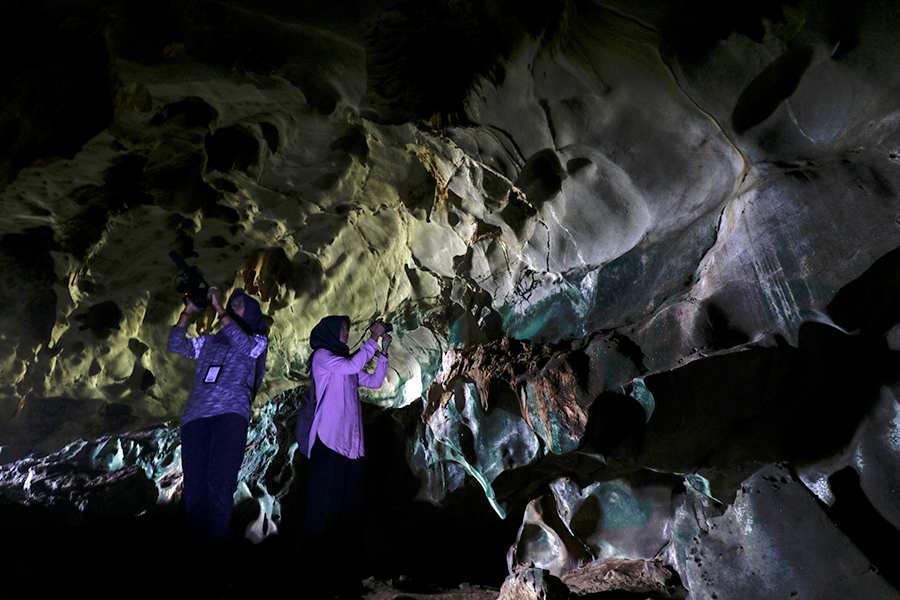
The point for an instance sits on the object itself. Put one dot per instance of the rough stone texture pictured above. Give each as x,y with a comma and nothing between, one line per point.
606,181
623,575
501,407
130,474
533,584
874,449
376,590
642,516
616,238
761,547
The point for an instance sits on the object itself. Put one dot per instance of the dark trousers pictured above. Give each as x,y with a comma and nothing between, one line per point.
212,451
334,514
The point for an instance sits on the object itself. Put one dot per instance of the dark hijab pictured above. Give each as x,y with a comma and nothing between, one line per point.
253,322
327,334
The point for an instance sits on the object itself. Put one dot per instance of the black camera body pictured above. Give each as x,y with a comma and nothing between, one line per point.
190,282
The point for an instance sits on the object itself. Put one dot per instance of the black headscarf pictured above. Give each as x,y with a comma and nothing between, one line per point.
253,322
327,334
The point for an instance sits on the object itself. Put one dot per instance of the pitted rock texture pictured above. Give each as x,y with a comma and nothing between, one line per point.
601,177
633,250
762,542
623,575
533,584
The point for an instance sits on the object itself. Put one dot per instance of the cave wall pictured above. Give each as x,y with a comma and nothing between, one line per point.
615,239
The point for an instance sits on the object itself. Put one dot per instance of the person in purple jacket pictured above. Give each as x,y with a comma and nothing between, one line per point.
330,432
229,369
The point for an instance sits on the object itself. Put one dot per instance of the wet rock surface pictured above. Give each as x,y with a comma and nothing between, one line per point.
641,258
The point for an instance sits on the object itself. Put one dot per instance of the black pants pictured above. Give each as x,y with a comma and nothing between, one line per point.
212,451
335,514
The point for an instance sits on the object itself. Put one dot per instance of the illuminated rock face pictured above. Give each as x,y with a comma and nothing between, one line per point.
615,239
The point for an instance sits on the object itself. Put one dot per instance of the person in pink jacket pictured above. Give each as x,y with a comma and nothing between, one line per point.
330,431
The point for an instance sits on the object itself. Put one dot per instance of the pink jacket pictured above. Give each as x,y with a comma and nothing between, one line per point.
338,418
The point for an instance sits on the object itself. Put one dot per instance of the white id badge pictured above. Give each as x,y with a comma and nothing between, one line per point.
212,374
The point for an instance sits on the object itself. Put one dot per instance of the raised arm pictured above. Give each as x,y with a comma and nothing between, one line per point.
247,344
180,343
251,345
374,380
342,365
178,340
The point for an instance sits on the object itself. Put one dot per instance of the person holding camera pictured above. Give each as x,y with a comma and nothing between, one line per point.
334,441
229,369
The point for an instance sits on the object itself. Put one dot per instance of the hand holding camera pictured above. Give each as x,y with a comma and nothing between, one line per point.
191,309
215,298
190,282
378,329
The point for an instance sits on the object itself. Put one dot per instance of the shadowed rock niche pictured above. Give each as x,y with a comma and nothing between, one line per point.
642,259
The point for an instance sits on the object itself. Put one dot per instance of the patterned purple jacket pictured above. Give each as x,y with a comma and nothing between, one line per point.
228,365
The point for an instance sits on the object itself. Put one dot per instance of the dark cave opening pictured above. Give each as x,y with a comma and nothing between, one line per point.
854,514
101,319
232,148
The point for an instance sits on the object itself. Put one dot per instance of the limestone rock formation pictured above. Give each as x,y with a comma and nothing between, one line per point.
641,259
533,584
623,575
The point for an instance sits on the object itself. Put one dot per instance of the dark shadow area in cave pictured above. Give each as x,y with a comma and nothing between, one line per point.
417,538
614,418
58,92
232,148
423,59
319,92
25,257
143,31
431,547
189,113
270,135
124,189
770,88
870,302
541,177
101,318
720,331
860,521
693,27
353,143
727,413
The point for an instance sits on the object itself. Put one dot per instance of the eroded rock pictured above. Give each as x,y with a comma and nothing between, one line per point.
624,575
533,584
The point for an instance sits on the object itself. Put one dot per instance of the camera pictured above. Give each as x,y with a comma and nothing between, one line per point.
190,281
388,327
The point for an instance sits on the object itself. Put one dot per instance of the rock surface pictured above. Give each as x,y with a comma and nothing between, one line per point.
636,254
623,575
533,584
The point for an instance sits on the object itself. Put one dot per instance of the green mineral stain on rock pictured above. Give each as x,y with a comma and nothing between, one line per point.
620,508
641,393
700,484
449,448
560,314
